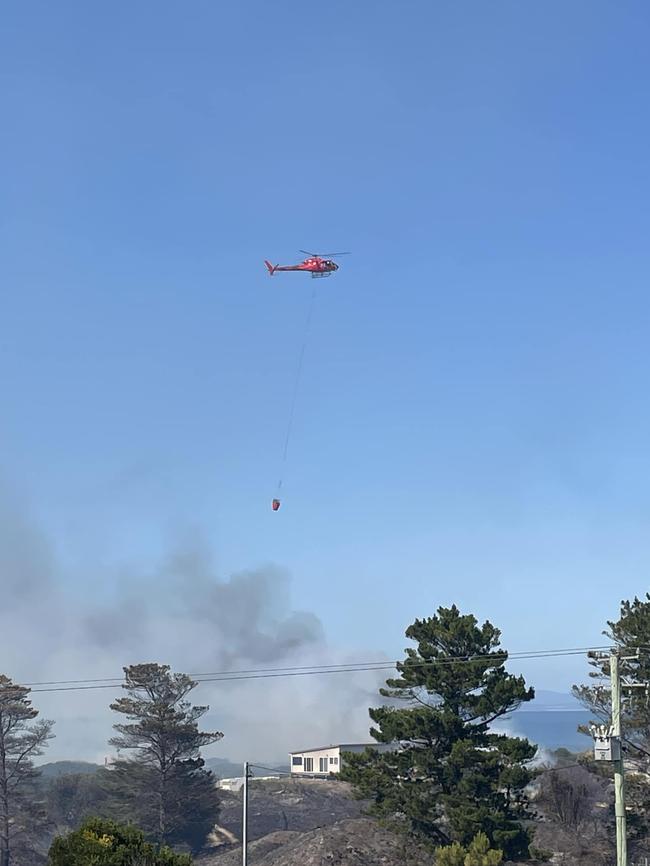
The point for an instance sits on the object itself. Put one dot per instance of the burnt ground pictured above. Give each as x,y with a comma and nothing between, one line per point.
289,804
351,842
319,823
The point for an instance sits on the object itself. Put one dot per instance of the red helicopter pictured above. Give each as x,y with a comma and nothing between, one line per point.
316,265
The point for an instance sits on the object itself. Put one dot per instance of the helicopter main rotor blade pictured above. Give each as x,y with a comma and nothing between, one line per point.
323,255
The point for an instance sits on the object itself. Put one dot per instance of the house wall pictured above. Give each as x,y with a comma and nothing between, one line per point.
331,756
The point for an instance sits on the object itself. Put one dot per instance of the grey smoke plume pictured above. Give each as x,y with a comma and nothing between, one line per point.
186,615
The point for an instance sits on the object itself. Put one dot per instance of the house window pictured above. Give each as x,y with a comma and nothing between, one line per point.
296,762
336,760
322,765
309,765
331,760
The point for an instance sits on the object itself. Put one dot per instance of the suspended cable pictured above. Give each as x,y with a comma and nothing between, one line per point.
365,665
316,670
275,772
294,396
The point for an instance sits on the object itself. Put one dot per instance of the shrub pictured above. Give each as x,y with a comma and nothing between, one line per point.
99,842
478,853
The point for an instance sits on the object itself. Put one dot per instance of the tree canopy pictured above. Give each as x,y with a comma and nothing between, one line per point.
478,853
630,634
164,785
104,843
21,739
448,776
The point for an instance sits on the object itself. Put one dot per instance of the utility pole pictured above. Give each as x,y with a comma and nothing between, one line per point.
608,746
619,783
244,817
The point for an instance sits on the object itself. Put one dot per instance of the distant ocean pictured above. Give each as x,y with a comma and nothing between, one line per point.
550,729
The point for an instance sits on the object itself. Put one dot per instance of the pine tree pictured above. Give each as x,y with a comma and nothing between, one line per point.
631,633
448,777
20,741
164,786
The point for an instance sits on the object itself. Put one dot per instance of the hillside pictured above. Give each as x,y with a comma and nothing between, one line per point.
319,823
355,842
289,804
223,768
54,769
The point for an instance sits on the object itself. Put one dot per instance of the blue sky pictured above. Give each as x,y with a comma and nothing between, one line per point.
473,422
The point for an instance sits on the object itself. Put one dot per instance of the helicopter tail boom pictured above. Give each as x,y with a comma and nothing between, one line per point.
271,268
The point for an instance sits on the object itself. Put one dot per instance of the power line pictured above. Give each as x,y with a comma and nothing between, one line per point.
316,670
199,676
270,770
364,664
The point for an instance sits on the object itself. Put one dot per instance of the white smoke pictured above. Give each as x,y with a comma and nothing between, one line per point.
182,613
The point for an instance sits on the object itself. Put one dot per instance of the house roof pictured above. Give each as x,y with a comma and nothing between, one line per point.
343,746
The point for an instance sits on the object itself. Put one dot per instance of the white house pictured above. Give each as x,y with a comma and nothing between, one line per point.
325,760
237,783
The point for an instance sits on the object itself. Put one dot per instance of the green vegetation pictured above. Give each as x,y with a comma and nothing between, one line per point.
478,853
56,769
72,798
540,854
629,632
446,778
20,742
163,786
99,842
451,778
